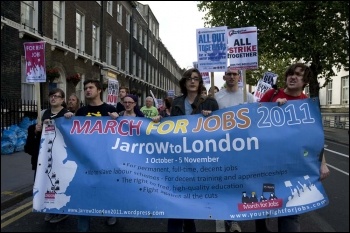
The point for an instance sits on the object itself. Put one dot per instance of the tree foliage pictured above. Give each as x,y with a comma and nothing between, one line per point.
314,32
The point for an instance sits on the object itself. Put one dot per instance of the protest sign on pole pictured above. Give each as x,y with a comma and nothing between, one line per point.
35,68
212,49
243,48
265,83
243,51
205,75
113,89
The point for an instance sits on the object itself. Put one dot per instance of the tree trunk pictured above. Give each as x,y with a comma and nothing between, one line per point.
314,85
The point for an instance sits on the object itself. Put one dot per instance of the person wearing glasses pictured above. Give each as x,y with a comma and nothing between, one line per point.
32,147
131,106
191,102
95,108
230,96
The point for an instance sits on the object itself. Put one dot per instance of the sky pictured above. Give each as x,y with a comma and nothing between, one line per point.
178,22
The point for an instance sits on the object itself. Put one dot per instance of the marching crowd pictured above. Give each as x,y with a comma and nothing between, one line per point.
194,100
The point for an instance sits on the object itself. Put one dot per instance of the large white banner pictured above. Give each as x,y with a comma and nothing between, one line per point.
212,49
243,48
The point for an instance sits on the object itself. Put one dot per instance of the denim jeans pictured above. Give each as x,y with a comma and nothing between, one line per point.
83,223
177,225
289,223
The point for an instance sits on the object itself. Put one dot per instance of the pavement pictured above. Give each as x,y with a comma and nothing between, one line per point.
17,176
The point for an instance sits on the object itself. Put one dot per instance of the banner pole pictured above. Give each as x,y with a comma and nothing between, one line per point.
244,86
212,83
38,101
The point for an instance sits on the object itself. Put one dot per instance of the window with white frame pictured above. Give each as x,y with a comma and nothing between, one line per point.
329,92
134,63
110,7
120,14
145,40
108,49
58,21
127,61
139,67
149,74
79,89
119,55
153,76
144,70
156,77
27,89
140,35
127,24
80,33
345,90
95,41
29,15
135,30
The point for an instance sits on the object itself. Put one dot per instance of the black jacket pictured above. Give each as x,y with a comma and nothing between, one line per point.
205,103
32,145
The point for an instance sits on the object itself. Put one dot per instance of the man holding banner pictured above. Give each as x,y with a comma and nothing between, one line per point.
297,77
230,96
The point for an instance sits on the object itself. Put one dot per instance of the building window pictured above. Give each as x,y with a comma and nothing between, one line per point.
329,93
27,89
79,88
134,63
108,49
144,70
58,21
127,65
145,40
119,55
345,90
127,24
29,15
140,35
119,14
95,42
110,7
80,32
139,67
135,30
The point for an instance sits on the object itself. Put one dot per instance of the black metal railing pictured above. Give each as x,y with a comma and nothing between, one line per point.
14,110
336,120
